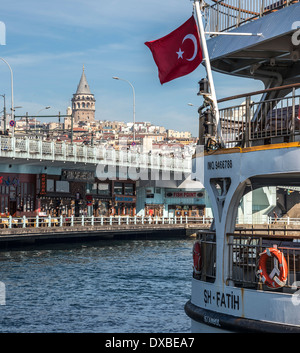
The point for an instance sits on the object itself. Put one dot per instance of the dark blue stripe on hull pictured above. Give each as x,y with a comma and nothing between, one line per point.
235,324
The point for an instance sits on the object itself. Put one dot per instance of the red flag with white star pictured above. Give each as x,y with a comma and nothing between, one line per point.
178,53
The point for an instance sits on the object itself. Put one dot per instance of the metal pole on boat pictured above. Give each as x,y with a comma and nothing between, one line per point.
208,66
235,34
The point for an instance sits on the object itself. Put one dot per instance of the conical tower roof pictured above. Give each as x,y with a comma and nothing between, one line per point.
83,87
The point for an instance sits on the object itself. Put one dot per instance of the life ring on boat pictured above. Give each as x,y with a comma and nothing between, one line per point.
197,258
278,276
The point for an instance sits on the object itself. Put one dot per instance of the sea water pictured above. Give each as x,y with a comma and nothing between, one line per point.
115,286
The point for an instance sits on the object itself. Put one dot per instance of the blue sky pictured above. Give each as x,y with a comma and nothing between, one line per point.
47,42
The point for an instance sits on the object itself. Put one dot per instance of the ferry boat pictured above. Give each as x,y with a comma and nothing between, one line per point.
248,280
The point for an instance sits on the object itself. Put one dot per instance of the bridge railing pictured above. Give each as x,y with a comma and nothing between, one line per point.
225,15
26,148
85,221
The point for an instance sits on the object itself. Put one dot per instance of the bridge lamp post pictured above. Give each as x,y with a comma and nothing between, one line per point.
48,107
4,113
121,79
12,93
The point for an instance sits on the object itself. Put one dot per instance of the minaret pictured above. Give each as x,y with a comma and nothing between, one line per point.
83,102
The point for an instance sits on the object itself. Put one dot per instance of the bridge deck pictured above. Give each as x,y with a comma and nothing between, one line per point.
21,236
25,151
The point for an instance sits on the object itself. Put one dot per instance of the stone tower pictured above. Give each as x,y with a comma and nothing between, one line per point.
83,102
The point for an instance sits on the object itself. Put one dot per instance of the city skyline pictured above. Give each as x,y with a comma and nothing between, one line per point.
85,129
47,44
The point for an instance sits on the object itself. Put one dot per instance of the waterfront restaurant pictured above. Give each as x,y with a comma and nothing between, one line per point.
124,198
18,194
170,202
111,198
65,192
185,203
58,196
99,198
77,193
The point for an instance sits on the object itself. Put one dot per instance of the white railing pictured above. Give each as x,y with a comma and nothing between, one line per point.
62,221
228,14
23,147
72,221
244,253
268,220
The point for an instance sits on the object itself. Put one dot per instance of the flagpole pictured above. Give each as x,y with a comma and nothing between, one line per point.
208,67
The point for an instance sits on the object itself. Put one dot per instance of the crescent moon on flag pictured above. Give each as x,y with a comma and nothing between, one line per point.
193,39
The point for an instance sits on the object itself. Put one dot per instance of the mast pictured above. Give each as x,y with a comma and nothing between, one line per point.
198,6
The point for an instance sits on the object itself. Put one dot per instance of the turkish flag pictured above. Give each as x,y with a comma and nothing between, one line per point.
178,53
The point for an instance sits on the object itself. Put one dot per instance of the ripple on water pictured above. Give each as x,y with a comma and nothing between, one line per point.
115,286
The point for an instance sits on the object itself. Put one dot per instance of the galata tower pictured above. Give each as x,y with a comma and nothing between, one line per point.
83,102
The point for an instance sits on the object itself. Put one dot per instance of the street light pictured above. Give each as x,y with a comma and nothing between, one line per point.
12,92
121,79
14,117
4,114
48,107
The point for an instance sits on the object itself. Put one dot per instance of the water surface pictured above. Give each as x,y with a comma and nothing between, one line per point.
108,286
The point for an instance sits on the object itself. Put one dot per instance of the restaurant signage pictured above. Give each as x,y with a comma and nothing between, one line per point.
43,184
185,194
125,198
77,175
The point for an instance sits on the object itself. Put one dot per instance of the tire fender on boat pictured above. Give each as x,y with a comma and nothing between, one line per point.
278,276
197,258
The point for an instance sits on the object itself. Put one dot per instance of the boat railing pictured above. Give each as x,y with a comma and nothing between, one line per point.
251,123
244,256
225,15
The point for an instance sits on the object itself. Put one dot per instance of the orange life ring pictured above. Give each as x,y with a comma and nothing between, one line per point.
197,258
277,278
